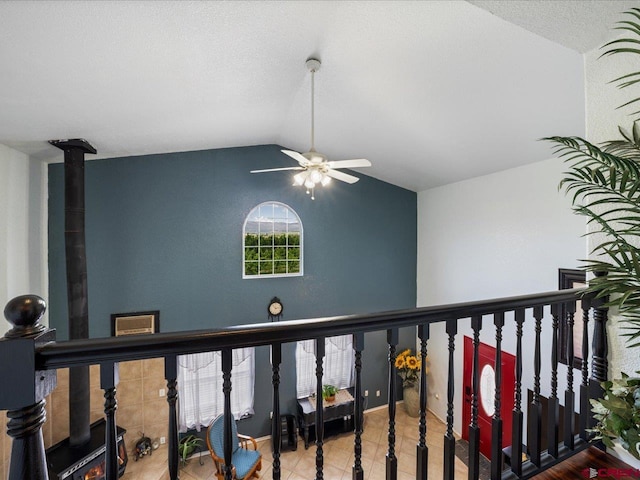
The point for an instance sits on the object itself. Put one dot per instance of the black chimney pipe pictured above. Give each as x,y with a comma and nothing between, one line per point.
77,298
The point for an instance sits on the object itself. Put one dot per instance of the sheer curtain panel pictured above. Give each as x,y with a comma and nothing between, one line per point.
200,387
337,365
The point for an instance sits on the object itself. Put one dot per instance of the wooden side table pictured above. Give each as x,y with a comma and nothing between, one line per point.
307,415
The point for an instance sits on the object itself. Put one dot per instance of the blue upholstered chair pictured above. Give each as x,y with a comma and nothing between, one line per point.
246,462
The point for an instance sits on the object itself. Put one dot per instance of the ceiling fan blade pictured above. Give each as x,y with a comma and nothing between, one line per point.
344,177
355,163
297,157
276,169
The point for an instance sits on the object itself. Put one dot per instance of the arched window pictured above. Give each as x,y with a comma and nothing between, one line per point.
272,242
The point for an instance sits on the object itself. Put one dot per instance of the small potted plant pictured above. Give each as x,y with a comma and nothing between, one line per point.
186,446
329,393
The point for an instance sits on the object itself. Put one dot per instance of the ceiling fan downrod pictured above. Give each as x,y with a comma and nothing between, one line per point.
313,65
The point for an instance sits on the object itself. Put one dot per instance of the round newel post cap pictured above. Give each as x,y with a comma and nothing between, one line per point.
24,313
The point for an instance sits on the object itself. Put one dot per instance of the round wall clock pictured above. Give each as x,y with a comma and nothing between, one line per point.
275,309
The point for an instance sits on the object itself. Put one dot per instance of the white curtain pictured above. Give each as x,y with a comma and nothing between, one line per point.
200,387
337,364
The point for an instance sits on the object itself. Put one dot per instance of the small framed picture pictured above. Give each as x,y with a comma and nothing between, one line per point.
135,323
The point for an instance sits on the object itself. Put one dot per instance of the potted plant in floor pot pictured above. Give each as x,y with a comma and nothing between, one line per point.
604,182
408,367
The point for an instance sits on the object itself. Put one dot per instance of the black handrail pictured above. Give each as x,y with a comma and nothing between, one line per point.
56,355
33,351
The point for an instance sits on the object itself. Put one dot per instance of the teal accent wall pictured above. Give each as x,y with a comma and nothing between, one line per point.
164,232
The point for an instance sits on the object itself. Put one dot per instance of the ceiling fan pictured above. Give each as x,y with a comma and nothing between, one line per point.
315,167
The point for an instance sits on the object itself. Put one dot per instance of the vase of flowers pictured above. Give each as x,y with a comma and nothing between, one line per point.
408,367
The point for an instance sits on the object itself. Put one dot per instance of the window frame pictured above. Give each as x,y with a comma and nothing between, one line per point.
299,246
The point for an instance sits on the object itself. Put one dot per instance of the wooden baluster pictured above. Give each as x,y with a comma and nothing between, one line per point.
569,395
171,376
553,415
474,429
276,432
496,421
585,406
422,451
449,439
358,347
24,398
534,430
516,439
392,461
228,442
319,409
599,363
109,377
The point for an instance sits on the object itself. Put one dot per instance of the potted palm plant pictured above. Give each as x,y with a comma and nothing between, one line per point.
604,184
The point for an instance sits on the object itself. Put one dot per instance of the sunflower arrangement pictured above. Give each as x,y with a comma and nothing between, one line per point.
408,367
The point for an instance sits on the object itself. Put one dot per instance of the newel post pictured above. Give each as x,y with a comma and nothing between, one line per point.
25,387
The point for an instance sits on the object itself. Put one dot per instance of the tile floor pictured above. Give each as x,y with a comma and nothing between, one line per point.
338,455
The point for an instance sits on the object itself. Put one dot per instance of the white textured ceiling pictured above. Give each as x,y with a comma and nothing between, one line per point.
431,92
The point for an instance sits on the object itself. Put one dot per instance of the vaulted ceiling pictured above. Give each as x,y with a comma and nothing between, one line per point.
431,92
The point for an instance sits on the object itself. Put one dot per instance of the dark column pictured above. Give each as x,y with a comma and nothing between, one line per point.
516,432
496,421
585,406
276,432
358,347
24,399
171,375
474,428
392,461
228,441
77,298
553,416
534,430
108,380
422,451
569,395
319,409
449,439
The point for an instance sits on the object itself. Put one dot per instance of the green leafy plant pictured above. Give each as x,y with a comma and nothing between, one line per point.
186,446
329,391
605,186
618,414
604,182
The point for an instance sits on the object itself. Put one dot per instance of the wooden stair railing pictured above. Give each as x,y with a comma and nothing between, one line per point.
30,356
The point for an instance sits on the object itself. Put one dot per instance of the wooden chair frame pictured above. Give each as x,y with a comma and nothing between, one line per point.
245,441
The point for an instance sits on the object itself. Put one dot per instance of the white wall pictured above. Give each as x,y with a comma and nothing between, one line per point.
23,227
603,120
499,235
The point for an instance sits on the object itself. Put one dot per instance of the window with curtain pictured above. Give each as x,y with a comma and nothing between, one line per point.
200,387
337,365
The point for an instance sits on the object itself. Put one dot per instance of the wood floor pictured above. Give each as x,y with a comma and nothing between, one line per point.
590,463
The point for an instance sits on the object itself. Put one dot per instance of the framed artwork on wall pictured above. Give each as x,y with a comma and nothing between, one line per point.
135,323
567,279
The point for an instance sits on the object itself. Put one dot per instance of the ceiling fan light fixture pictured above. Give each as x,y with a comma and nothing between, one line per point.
316,169
299,178
315,176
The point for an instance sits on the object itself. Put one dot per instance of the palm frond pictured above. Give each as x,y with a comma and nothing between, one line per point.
604,187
